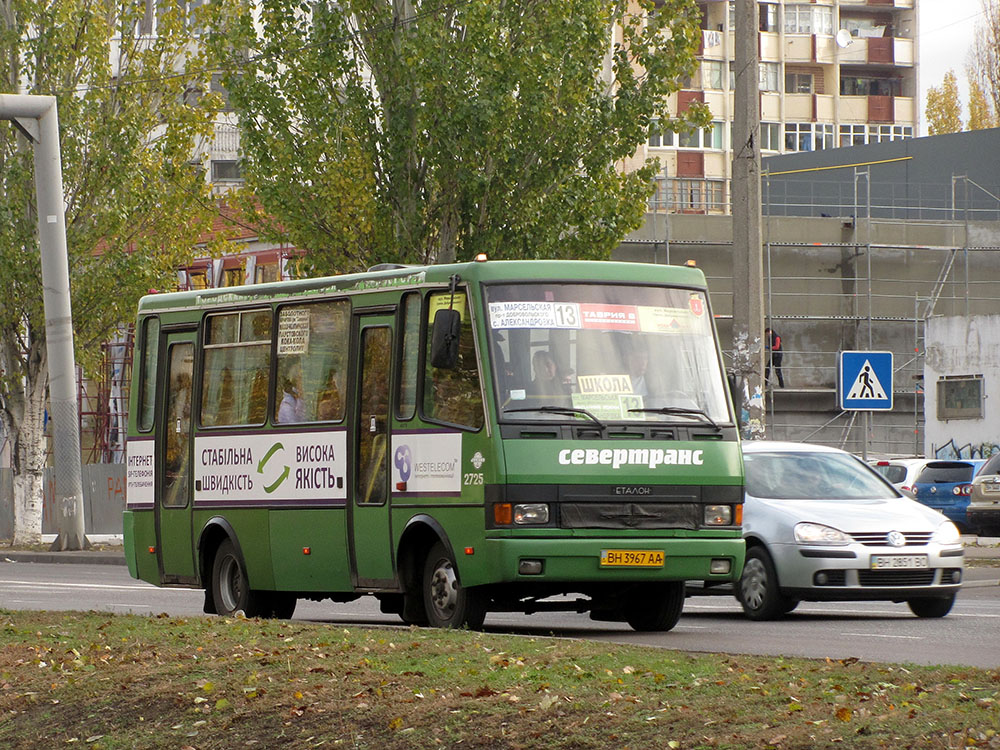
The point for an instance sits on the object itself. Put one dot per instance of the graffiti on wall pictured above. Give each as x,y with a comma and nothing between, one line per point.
951,449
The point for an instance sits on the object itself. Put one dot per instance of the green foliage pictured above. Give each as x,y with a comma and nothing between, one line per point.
134,207
944,109
384,130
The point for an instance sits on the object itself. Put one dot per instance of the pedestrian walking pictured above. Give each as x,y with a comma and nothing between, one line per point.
772,341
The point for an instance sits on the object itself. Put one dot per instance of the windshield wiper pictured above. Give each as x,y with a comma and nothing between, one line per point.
682,411
567,410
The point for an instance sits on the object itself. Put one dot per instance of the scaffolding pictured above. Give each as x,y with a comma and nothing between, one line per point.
104,402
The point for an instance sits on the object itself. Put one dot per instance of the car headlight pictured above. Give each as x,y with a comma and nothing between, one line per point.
815,533
947,533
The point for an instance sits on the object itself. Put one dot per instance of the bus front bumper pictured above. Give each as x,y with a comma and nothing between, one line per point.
580,560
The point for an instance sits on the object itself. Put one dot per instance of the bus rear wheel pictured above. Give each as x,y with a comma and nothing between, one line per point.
656,607
448,603
230,585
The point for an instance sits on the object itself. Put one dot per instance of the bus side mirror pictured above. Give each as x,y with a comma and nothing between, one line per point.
444,339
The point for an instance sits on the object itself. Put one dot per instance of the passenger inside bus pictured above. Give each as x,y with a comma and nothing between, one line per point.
547,385
329,404
292,408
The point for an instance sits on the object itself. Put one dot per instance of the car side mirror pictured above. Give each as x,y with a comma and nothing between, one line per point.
444,339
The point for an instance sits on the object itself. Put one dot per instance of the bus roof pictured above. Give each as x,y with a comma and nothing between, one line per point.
403,276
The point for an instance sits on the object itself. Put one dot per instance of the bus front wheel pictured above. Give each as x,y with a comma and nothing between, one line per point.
230,585
657,607
448,603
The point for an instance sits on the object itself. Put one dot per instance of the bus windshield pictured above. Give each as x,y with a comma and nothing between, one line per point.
619,352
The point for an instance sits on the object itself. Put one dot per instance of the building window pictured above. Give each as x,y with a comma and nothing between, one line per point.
710,137
658,139
222,91
226,170
712,74
853,135
770,136
768,16
808,136
768,76
960,397
798,83
808,19
886,133
265,273
869,86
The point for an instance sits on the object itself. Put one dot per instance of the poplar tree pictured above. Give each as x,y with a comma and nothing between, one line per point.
944,108
391,130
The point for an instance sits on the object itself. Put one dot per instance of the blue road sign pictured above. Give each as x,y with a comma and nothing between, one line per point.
864,380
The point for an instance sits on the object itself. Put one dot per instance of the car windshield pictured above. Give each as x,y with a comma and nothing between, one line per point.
946,472
617,352
812,476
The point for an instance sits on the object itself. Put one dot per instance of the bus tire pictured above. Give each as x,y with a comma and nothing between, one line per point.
447,602
279,605
656,607
230,584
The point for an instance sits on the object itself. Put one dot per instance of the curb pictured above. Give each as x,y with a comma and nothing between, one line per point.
74,556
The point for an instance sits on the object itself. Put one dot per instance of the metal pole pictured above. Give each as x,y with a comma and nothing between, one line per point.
748,317
37,118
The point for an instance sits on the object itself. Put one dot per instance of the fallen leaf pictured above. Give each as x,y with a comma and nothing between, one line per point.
844,713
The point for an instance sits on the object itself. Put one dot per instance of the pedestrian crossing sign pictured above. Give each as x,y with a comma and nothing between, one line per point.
864,381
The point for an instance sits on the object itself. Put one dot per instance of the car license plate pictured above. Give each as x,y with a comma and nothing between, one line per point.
895,562
631,558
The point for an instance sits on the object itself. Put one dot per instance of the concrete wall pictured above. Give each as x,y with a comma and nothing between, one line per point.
103,500
963,346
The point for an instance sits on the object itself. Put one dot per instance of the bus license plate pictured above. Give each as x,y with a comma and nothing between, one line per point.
896,562
631,558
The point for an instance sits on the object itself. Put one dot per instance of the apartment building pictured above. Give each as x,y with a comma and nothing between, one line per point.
832,73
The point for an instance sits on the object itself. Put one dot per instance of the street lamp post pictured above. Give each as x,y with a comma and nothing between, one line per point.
36,117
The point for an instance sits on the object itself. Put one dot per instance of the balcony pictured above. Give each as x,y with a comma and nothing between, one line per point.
877,51
877,109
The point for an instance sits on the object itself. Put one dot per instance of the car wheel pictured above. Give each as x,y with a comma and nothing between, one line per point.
656,607
938,607
758,590
230,585
448,603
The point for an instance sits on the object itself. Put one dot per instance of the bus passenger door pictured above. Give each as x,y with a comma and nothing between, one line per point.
371,548
174,548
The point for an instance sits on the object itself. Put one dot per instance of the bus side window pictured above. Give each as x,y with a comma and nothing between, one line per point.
237,360
312,343
406,401
147,384
454,395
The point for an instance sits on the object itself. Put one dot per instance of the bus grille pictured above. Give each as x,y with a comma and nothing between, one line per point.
629,515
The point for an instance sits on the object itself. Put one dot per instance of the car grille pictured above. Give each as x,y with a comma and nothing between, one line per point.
880,538
896,577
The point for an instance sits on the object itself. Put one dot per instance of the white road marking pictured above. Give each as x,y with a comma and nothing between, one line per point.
880,635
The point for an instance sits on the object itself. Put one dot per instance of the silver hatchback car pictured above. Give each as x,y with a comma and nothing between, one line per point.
821,525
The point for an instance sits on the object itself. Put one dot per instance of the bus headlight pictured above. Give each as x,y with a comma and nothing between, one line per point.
531,513
718,515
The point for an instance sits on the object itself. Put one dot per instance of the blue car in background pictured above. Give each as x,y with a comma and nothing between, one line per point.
946,486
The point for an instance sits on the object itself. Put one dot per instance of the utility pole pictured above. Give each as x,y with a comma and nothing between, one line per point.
37,119
748,271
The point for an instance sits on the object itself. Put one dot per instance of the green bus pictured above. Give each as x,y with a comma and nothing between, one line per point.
458,439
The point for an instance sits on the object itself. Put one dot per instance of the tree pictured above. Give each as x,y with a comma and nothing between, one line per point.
984,59
134,206
981,115
944,108
385,130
